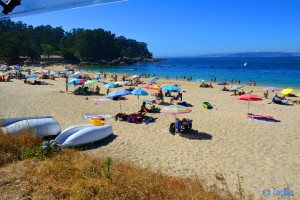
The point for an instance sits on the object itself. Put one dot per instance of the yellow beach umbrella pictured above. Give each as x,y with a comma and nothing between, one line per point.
287,91
156,87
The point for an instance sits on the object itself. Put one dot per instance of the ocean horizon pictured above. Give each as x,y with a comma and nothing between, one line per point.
280,72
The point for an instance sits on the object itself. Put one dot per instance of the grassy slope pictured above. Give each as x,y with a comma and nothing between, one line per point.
75,175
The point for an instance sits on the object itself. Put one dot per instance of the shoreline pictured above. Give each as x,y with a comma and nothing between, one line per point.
174,79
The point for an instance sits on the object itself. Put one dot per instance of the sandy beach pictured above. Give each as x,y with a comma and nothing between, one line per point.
223,140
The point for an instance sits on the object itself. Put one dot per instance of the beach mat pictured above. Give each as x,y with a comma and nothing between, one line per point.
262,118
95,116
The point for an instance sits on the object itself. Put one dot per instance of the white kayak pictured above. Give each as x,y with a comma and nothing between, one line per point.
42,126
83,134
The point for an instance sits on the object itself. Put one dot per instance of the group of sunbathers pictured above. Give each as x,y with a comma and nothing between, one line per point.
134,118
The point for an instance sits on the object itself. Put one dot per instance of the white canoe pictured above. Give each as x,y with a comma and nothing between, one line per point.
83,134
41,126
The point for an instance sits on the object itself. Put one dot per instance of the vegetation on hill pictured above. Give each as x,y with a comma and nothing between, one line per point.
76,175
78,45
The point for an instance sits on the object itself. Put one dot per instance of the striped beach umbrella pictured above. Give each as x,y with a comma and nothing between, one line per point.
175,109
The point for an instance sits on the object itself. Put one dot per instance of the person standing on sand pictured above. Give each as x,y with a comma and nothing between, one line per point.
67,84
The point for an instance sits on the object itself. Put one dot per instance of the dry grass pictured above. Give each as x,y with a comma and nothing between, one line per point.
11,146
76,175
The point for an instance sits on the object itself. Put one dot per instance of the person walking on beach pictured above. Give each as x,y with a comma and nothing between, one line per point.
107,91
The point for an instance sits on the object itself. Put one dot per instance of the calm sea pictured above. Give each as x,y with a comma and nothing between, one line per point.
280,72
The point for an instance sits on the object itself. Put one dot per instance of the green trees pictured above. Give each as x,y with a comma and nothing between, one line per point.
18,39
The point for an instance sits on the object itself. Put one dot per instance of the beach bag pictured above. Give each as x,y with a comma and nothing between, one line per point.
172,128
207,105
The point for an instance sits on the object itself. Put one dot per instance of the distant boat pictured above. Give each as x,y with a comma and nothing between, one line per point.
245,64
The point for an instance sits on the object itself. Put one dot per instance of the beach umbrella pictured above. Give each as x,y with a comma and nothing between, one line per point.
236,87
249,97
222,83
63,71
121,82
97,77
287,91
139,92
271,88
175,109
199,80
298,95
110,79
110,85
135,76
171,88
152,80
14,71
75,75
89,82
152,87
53,73
76,82
32,76
118,94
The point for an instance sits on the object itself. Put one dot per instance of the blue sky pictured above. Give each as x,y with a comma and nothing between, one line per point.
190,27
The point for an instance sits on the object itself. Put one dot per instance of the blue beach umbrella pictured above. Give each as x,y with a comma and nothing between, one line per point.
97,77
14,71
110,85
118,94
76,81
63,71
74,75
53,73
171,88
32,76
139,92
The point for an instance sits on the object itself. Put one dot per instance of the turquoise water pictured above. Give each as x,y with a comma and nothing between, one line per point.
280,72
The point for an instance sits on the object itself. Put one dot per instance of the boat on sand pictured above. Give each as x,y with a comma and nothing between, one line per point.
80,135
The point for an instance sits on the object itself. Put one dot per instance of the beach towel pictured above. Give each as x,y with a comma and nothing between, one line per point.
101,99
95,116
262,118
148,102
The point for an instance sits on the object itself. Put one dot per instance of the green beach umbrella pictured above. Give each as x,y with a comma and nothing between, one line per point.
90,82
298,95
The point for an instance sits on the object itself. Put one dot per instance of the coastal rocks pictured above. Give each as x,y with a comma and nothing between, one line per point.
123,61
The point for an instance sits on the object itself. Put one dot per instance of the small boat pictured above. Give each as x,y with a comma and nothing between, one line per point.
245,64
80,135
41,126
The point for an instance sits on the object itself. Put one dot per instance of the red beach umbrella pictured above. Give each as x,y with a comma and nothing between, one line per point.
249,97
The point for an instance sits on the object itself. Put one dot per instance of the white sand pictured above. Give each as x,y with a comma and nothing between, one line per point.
264,155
